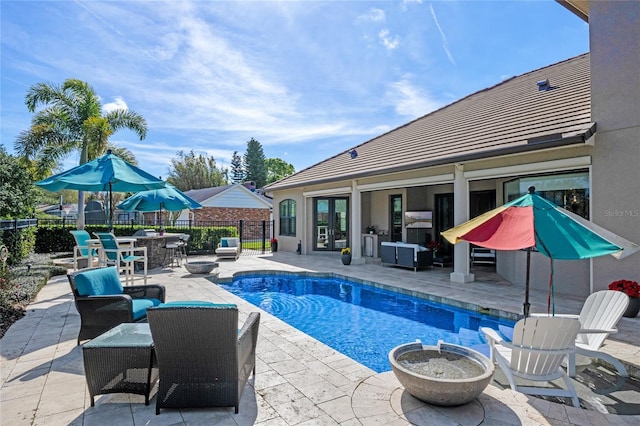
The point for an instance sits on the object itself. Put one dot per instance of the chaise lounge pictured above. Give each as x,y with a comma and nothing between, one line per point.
229,248
483,256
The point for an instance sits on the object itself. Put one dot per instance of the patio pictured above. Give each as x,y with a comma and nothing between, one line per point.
299,380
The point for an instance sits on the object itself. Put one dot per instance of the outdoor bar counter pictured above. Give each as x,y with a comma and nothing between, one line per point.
157,253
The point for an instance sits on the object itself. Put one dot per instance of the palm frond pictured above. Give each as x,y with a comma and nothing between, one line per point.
126,119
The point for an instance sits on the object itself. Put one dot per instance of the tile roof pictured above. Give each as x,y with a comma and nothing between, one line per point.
512,116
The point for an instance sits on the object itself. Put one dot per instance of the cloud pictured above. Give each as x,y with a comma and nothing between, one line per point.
388,41
407,2
410,101
374,15
118,103
445,44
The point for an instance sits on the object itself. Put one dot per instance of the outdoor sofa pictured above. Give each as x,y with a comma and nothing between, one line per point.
405,255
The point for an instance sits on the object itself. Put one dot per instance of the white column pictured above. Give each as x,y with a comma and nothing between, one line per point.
356,224
460,272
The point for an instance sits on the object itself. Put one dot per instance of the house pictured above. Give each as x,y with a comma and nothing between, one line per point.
64,211
571,129
229,203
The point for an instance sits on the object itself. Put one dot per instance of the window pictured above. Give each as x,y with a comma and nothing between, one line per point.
288,218
568,190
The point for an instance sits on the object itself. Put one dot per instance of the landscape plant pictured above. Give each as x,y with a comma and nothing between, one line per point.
630,288
20,284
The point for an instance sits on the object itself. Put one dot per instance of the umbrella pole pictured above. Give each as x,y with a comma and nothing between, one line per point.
526,286
110,208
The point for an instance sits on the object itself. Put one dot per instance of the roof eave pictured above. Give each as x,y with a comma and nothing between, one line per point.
533,145
580,8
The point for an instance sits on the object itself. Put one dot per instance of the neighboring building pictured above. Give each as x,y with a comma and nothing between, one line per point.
64,211
571,129
229,203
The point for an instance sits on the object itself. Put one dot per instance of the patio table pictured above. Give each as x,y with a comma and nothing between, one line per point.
121,360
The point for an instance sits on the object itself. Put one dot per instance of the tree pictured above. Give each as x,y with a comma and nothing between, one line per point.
278,169
254,163
70,119
237,169
189,171
17,192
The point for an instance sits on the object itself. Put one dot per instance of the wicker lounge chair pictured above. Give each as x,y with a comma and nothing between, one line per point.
203,360
104,303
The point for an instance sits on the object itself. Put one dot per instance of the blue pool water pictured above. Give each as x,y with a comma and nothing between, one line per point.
360,321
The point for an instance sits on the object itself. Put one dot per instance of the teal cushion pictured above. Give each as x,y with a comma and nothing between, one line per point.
98,282
196,303
225,243
139,307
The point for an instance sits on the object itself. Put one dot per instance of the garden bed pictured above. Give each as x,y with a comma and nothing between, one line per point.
20,284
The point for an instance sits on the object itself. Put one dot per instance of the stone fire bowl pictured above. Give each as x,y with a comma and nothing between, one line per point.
440,391
200,267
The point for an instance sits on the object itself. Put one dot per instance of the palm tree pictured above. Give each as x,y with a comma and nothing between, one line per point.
70,119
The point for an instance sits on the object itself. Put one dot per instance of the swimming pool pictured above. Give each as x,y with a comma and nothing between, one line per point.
358,320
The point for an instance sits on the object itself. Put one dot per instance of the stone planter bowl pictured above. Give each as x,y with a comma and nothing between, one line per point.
441,391
200,267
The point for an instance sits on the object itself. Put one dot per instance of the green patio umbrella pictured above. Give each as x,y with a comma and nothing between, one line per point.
532,222
108,173
169,198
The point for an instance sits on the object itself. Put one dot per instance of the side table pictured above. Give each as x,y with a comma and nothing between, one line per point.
121,360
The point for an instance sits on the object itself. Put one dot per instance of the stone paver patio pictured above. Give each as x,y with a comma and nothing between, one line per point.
299,380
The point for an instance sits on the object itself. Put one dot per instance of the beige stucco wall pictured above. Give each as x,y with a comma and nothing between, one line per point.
614,31
286,243
569,276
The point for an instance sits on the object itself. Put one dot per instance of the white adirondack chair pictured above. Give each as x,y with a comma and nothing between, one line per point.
599,315
536,353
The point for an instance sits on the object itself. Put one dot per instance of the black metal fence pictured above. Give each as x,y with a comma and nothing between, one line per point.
254,235
14,224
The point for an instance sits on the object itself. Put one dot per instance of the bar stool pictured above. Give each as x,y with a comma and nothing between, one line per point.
182,245
172,247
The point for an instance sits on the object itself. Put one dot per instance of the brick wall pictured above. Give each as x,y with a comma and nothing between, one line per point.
230,214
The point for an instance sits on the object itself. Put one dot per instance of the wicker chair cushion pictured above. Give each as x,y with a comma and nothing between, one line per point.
98,282
139,307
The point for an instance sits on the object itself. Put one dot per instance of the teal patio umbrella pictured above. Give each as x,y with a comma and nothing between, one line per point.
169,198
532,222
108,173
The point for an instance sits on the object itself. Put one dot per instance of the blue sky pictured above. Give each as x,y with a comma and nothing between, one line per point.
307,79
